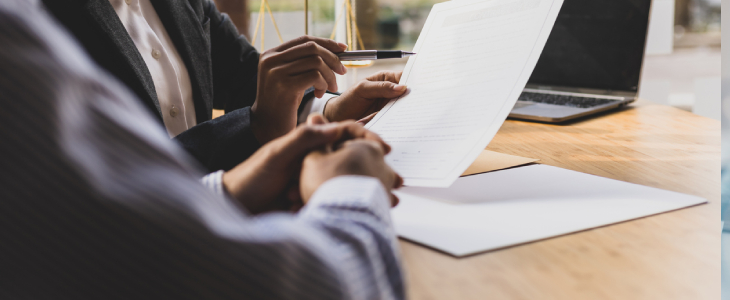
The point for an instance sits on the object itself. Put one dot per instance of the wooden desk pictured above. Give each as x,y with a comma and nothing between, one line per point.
675,255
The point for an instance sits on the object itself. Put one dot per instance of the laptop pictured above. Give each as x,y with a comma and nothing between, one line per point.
591,62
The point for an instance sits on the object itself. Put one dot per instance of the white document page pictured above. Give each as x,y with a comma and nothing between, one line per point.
514,206
473,60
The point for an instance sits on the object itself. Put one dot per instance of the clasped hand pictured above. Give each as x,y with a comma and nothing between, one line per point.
270,179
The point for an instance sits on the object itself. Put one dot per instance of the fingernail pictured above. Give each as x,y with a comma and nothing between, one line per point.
399,87
342,45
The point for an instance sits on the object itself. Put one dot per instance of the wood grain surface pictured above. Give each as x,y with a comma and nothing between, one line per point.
675,255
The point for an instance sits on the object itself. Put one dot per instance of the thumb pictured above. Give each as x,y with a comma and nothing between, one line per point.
316,119
379,89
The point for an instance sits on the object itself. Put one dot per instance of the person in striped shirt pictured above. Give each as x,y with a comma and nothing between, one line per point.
97,202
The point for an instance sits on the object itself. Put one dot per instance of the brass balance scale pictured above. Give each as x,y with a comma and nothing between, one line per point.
350,23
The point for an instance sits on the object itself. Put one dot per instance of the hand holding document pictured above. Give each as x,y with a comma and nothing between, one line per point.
474,58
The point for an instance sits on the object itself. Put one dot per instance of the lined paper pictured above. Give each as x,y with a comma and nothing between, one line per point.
474,59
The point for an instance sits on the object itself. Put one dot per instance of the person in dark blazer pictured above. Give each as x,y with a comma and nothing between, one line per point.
183,58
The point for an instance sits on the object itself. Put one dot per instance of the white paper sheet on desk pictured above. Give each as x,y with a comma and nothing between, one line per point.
474,58
514,206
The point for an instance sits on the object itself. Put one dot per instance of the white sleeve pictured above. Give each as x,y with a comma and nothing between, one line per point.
214,181
316,105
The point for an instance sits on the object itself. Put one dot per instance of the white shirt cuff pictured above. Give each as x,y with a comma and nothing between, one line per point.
316,105
214,181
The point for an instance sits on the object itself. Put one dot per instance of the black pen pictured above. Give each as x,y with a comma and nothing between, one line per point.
373,54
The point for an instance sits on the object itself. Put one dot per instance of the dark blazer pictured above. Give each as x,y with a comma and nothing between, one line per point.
222,65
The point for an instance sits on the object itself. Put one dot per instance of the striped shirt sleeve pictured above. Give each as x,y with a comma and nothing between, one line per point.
358,206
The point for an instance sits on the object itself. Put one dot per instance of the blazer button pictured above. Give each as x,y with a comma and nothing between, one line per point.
156,54
129,2
174,111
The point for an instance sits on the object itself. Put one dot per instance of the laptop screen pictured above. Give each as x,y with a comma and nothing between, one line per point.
595,44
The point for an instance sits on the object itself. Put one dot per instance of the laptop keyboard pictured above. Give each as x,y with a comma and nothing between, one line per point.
565,100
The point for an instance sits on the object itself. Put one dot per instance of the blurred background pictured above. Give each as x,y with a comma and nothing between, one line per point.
681,69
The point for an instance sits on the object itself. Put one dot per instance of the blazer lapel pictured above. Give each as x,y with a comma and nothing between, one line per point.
191,38
104,15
